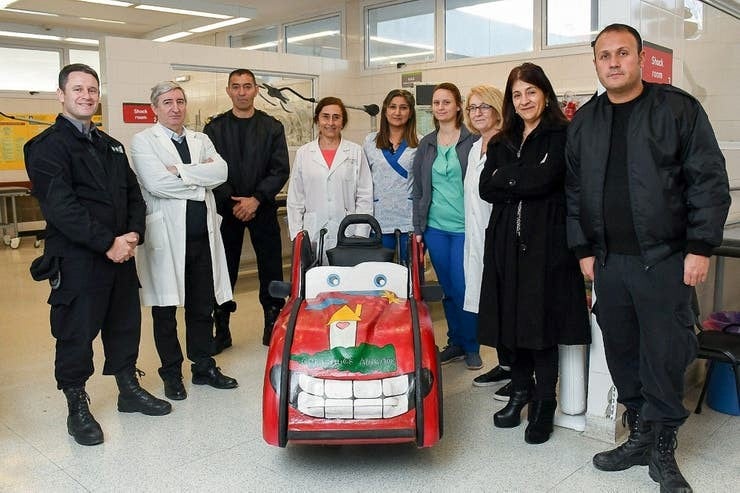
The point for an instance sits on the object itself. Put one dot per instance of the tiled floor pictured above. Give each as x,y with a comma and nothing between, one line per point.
212,440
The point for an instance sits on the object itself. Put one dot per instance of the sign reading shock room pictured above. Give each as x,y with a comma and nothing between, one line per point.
658,66
138,113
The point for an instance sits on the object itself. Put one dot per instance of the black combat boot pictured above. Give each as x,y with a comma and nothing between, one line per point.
663,468
271,315
133,399
80,423
540,417
510,416
221,317
635,451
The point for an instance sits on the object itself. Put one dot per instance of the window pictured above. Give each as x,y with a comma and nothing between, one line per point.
88,57
480,29
322,37
400,33
261,39
571,21
29,69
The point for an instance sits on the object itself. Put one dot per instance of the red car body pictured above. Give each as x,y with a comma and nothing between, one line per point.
349,366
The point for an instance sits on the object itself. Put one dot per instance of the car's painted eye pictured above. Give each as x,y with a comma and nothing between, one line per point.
380,280
333,280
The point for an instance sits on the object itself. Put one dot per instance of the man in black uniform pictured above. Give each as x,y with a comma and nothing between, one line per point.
647,198
253,144
94,219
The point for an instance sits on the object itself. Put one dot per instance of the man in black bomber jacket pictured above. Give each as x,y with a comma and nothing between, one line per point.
648,196
253,144
95,217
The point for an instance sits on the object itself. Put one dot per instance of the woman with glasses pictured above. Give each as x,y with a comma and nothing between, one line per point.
330,179
439,217
390,155
482,117
533,296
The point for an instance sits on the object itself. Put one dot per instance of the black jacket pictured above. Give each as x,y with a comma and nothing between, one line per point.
262,169
679,192
532,291
87,191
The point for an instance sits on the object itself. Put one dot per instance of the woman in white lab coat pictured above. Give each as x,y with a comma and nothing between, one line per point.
483,117
329,180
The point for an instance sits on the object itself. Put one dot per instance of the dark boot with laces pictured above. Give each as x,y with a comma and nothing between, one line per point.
80,423
133,399
635,451
663,468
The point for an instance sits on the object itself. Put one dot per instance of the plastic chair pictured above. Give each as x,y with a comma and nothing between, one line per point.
717,346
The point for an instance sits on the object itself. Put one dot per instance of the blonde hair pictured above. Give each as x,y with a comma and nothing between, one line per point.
490,96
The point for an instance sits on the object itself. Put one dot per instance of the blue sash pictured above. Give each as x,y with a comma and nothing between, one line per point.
392,159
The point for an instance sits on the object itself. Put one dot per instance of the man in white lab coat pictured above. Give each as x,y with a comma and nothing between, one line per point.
183,262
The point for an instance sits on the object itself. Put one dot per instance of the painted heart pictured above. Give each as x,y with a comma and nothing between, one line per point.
342,325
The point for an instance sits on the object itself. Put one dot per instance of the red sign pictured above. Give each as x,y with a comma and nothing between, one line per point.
138,113
658,65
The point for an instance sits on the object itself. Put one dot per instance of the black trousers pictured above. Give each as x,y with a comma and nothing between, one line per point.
95,295
198,319
543,364
264,232
647,322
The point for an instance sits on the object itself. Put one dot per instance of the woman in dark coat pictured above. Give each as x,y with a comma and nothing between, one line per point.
532,295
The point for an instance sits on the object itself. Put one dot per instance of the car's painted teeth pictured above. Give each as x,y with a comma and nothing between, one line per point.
353,399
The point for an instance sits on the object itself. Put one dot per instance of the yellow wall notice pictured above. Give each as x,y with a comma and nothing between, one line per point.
15,133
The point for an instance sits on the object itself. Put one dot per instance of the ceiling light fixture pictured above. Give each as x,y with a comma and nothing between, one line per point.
33,12
101,20
45,37
173,36
181,11
113,3
217,25
82,41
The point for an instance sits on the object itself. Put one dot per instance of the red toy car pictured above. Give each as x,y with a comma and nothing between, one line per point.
352,358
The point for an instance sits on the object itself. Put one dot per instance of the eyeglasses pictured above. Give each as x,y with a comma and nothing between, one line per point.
482,107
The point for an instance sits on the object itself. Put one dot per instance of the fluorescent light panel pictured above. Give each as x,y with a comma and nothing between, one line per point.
45,37
82,41
217,25
32,12
114,3
172,37
181,11
101,20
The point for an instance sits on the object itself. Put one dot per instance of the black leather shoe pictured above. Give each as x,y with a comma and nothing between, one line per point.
212,376
492,377
174,389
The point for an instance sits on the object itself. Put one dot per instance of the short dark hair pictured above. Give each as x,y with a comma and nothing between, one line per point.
329,100
513,125
76,67
242,71
616,27
449,86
